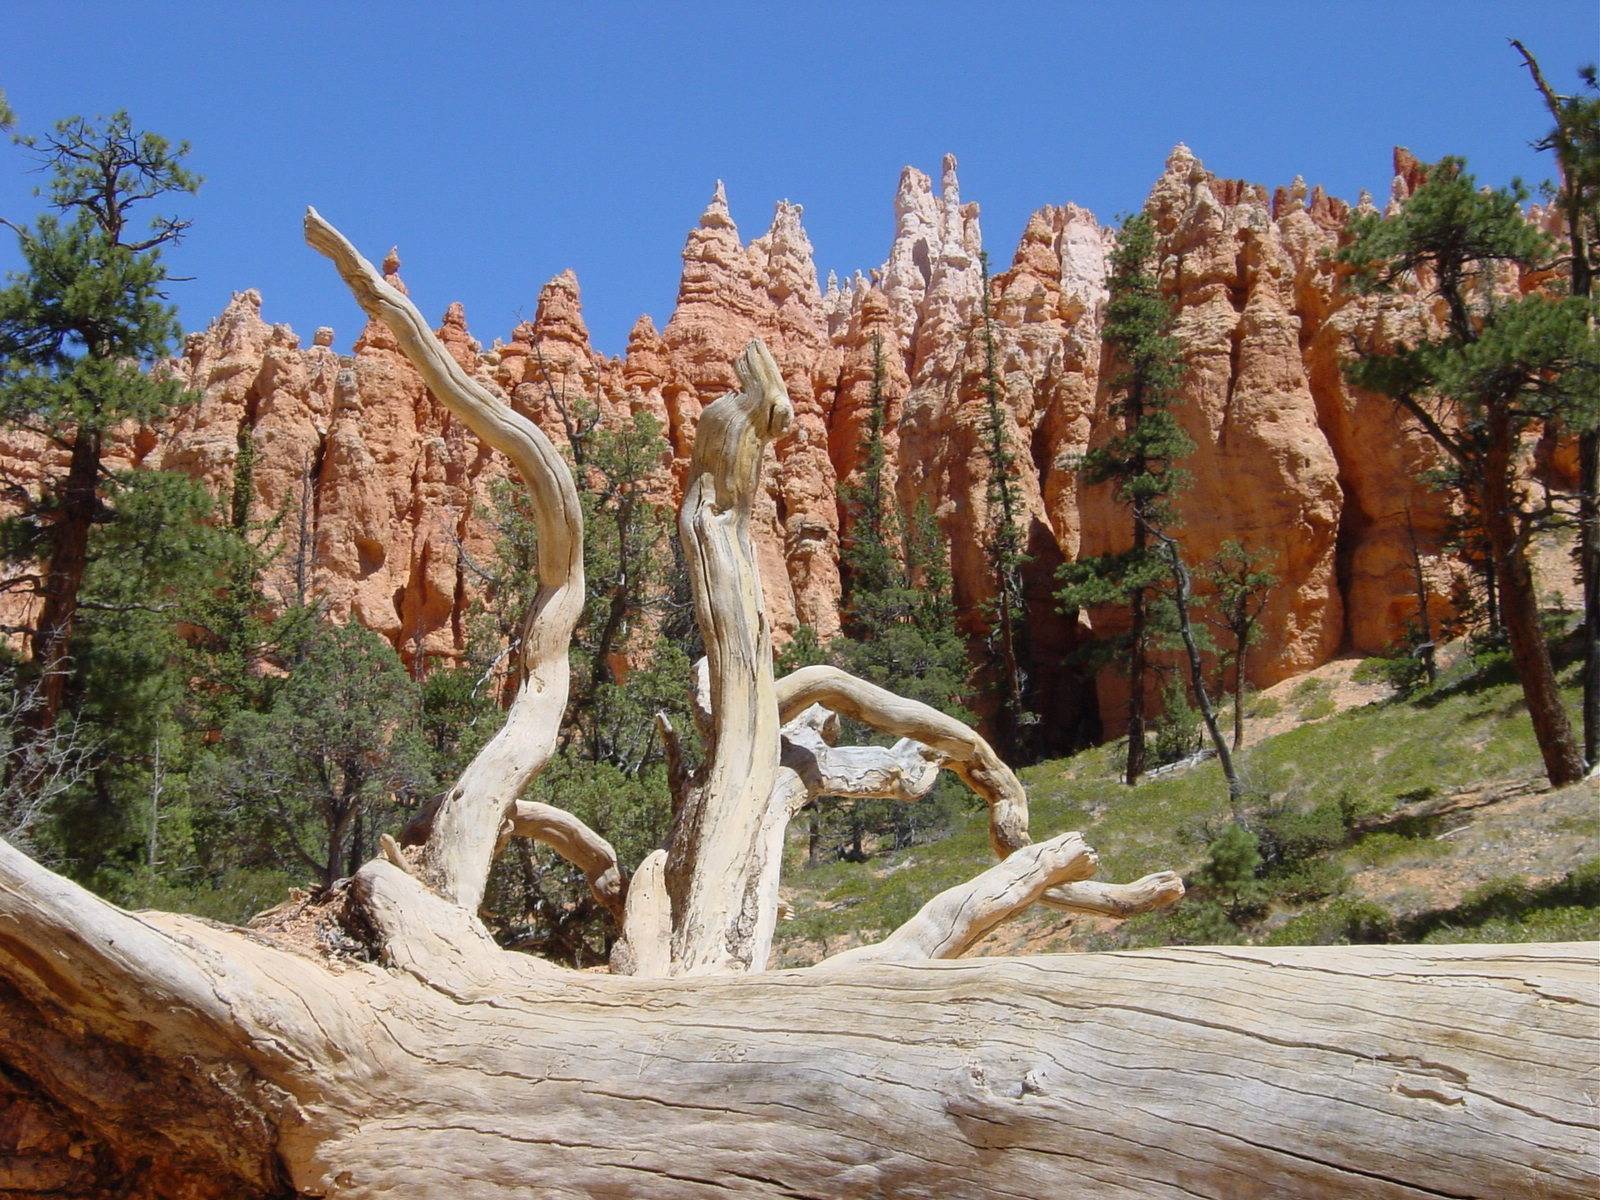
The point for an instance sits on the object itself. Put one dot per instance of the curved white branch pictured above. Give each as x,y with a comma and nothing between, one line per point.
965,751
949,924
461,846
578,844
980,768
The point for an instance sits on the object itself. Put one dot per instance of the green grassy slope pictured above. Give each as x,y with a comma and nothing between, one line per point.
1500,873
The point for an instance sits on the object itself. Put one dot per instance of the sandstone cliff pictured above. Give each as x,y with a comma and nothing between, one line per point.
383,492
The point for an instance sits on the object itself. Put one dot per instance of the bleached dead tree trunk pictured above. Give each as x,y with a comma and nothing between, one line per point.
377,1042
466,828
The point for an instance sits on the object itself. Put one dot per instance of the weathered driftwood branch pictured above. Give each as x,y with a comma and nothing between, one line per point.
966,753
578,844
461,846
550,826
904,772
948,925
714,852
205,1063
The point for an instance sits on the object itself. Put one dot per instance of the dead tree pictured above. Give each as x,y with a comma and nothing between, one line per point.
375,1041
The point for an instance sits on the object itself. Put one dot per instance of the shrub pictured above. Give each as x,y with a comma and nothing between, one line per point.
235,896
1575,923
1505,898
1233,860
1341,922
1354,808
1489,651
1175,733
1400,667
1265,706
1196,922
1321,706
1386,844
1308,689
1512,910
1288,836
1303,882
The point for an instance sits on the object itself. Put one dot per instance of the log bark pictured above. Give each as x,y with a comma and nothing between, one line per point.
454,1069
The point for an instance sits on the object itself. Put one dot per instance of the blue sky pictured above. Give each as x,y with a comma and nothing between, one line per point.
499,144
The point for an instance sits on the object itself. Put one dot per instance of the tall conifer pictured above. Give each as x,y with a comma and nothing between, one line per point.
1498,368
1006,551
1140,461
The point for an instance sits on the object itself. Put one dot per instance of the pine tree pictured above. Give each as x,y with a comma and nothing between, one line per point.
335,758
626,561
1425,648
1497,369
79,326
899,625
899,606
1005,549
175,638
1192,638
1239,586
868,556
1575,141
237,638
1140,461
131,696
629,661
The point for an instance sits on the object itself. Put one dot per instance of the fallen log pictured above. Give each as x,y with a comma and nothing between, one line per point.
1420,812
204,1062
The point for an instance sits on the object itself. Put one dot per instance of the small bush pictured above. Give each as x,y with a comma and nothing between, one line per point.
1353,808
1321,706
234,897
1288,836
1232,863
1505,898
1512,910
1342,922
1308,689
1387,844
1196,922
1175,734
1581,885
1265,706
1400,667
1489,651
1369,670
1575,923
1304,882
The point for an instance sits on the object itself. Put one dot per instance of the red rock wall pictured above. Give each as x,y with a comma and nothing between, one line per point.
1288,457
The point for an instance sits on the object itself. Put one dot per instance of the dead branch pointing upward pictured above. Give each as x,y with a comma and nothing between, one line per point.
466,831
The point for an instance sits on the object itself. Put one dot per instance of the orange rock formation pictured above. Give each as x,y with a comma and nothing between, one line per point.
387,488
